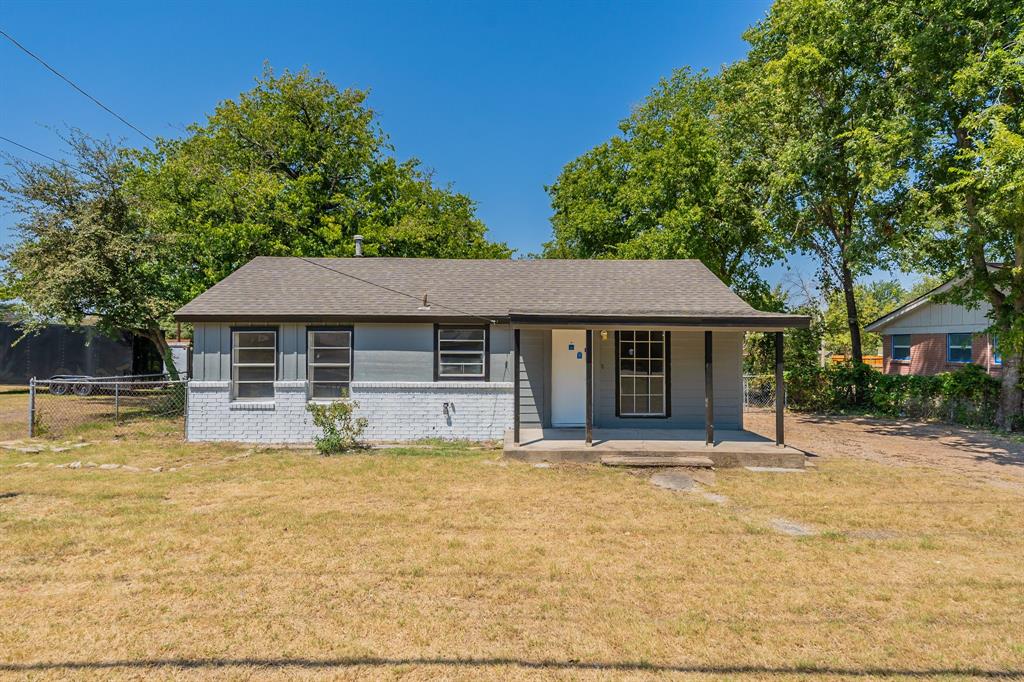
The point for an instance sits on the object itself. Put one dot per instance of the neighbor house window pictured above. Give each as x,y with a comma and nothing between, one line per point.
901,346
642,373
958,347
253,363
328,362
460,353
997,358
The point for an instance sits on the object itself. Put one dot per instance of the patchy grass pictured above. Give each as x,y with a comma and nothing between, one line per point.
443,561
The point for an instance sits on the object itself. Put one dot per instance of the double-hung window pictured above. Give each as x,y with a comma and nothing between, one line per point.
642,360
901,346
328,362
958,347
460,353
253,363
997,358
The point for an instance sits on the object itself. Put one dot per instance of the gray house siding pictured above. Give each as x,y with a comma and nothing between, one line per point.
534,370
382,351
687,382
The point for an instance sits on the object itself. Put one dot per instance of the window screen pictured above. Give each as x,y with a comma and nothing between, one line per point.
461,353
253,364
642,369
328,362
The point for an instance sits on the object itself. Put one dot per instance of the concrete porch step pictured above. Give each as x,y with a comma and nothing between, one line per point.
657,461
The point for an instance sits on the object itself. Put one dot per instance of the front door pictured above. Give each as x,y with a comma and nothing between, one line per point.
568,377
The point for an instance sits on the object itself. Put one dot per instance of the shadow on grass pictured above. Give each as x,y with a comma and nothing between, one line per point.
980,444
481,663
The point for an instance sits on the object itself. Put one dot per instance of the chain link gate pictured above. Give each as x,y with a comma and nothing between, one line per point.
759,392
63,407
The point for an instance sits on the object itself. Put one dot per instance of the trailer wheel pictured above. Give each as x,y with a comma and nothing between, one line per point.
58,388
82,389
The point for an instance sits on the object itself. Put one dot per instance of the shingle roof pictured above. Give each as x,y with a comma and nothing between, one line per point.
269,288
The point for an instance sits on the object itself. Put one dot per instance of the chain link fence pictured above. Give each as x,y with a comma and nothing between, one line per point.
67,406
759,392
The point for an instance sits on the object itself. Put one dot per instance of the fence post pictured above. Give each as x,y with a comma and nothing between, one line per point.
32,408
117,402
185,407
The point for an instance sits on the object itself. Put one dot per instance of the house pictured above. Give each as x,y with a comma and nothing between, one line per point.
927,337
473,349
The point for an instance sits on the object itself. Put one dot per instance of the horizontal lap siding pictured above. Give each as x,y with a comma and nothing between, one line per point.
534,370
687,379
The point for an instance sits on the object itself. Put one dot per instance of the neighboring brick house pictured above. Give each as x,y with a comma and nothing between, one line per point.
925,337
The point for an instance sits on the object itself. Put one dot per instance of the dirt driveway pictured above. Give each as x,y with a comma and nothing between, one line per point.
978,455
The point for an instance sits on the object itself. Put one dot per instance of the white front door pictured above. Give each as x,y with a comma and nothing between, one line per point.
568,377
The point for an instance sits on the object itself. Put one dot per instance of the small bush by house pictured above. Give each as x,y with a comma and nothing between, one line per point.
339,429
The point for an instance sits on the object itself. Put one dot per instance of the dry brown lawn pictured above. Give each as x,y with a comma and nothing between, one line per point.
448,562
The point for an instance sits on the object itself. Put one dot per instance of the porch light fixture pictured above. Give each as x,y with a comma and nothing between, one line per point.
604,334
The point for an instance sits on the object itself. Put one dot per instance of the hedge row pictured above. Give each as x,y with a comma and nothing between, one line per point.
966,396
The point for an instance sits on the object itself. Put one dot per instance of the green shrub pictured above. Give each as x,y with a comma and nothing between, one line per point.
339,430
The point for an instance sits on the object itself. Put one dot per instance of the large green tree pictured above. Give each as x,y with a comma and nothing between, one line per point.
85,248
837,176
296,166
961,69
674,183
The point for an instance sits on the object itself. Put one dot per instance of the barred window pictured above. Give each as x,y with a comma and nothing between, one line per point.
461,353
253,364
328,363
642,367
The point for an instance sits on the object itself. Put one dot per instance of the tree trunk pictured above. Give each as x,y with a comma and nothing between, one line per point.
156,337
1011,400
852,319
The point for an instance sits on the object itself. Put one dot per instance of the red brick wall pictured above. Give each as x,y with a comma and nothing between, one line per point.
928,355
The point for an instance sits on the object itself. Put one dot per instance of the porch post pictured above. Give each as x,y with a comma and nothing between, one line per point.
780,392
515,387
709,393
590,387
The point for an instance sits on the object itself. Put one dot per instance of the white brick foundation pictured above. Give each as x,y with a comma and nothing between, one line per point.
396,411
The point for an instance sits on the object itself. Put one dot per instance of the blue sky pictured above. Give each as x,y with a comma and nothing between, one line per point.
495,97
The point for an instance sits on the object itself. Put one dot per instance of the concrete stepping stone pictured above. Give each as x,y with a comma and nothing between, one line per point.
674,479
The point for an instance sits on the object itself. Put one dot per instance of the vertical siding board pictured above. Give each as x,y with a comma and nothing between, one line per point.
198,352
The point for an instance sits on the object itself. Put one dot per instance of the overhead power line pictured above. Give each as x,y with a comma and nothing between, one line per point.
67,80
396,291
38,153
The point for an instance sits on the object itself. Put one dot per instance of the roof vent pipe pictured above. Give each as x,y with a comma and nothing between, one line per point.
359,245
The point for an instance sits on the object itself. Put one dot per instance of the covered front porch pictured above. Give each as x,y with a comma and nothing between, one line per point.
636,394
664,447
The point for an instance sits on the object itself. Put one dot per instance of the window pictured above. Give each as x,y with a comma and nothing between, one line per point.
460,353
958,347
641,360
901,346
253,363
328,362
997,358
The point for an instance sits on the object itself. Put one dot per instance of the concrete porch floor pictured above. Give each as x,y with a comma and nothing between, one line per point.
731,448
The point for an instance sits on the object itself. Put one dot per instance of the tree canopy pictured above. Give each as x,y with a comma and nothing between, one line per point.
294,166
671,184
297,166
85,248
